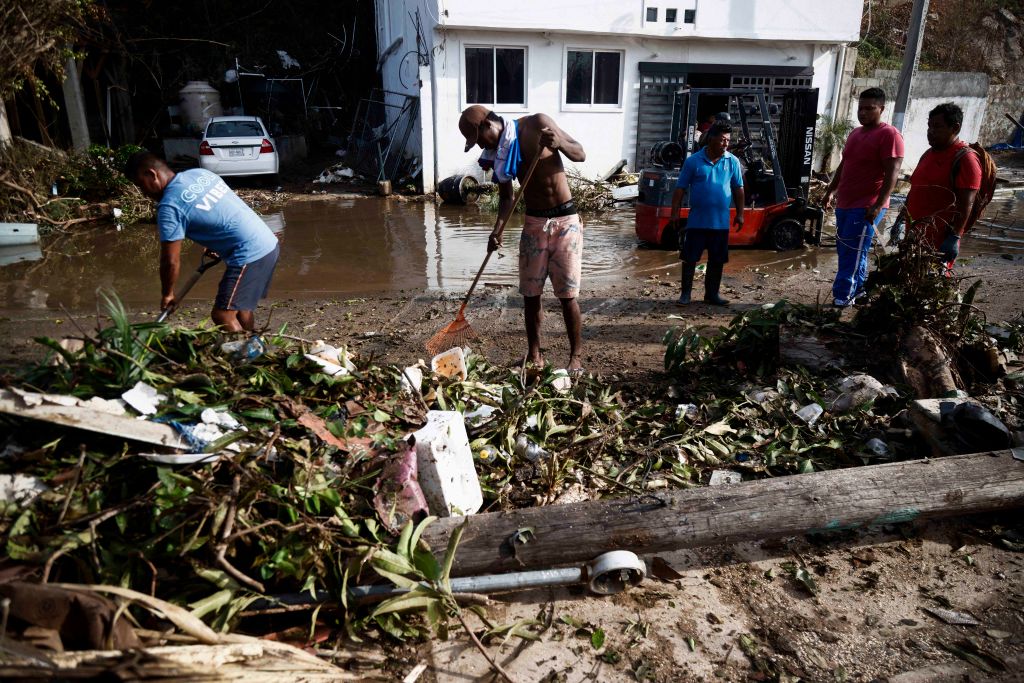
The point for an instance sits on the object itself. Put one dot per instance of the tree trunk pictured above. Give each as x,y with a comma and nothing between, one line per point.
785,506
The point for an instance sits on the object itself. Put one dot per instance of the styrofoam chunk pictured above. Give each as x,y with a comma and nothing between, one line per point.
445,463
450,363
143,398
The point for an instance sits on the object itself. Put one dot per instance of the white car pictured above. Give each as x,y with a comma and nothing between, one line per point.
238,146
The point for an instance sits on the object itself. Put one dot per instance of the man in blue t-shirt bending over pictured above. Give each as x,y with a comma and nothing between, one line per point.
713,177
199,205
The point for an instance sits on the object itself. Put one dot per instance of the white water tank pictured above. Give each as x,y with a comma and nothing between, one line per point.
199,101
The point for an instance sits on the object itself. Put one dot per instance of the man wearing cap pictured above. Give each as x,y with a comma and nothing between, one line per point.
551,245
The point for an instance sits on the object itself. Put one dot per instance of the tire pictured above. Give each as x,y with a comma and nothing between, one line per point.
670,236
786,234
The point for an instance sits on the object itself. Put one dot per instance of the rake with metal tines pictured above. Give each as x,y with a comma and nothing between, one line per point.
460,331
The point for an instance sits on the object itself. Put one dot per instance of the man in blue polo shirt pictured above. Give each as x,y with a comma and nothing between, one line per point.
712,177
199,205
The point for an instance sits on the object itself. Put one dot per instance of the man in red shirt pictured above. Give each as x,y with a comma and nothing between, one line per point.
940,200
865,178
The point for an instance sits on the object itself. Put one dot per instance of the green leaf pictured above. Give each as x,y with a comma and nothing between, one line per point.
380,416
211,603
597,638
391,562
420,528
411,600
397,579
427,564
449,555
403,541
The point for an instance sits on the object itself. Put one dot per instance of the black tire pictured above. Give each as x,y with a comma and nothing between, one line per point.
786,234
670,236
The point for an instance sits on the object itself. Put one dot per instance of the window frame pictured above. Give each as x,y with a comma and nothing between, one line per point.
674,17
647,15
496,106
568,106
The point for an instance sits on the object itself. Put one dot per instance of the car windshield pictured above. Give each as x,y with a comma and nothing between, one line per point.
234,129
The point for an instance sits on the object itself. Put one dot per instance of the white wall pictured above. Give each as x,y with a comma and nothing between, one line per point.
966,90
803,20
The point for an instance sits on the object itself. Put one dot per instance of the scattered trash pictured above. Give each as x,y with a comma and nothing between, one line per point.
722,477
562,382
71,412
856,390
447,474
335,174
143,398
412,379
810,413
245,350
399,497
688,411
20,489
951,617
806,351
332,360
877,447
450,363
221,418
480,414
764,396
528,450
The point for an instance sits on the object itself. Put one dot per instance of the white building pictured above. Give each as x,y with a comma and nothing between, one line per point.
605,70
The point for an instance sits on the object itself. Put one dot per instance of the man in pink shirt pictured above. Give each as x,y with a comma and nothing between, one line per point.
865,178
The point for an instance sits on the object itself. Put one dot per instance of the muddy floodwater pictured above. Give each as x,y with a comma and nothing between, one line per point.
352,247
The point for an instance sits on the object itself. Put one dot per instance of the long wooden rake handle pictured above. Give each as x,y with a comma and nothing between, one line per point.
515,202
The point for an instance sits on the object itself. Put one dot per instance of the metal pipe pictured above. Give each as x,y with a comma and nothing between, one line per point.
609,573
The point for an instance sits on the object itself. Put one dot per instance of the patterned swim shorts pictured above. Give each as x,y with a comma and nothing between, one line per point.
551,247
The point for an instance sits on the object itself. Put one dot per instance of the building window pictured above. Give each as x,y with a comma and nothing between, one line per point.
689,15
670,16
652,14
496,75
592,77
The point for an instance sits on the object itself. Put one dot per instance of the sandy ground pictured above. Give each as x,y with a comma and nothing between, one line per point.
867,621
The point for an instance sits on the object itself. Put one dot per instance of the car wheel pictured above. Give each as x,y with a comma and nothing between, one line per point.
786,234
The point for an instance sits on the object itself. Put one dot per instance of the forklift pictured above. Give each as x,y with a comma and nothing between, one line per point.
776,176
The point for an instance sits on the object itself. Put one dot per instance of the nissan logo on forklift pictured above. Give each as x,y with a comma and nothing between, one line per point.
776,171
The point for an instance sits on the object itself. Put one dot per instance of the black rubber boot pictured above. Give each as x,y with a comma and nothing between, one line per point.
687,282
712,281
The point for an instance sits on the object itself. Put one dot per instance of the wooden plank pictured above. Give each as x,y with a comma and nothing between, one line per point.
81,417
784,506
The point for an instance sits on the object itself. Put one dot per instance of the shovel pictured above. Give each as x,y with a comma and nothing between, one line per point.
208,260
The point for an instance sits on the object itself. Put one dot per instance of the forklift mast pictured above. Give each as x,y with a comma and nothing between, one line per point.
779,167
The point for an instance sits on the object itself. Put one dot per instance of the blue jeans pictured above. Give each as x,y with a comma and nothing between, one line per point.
853,243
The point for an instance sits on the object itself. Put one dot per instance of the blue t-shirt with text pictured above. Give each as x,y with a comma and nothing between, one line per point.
199,205
710,188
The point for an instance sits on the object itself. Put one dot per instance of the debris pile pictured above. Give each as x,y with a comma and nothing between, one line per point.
58,190
304,469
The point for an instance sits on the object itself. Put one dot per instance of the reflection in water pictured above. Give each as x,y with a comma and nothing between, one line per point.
352,247
18,253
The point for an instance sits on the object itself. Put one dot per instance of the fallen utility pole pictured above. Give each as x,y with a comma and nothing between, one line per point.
784,506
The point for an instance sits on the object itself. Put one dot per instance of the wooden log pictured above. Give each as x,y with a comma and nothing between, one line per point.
784,506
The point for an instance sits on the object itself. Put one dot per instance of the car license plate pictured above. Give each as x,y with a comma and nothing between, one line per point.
235,152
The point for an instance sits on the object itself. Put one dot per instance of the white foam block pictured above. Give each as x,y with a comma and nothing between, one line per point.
445,462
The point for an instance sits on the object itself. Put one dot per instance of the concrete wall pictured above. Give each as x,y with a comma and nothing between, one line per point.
931,88
823,21
1006,98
